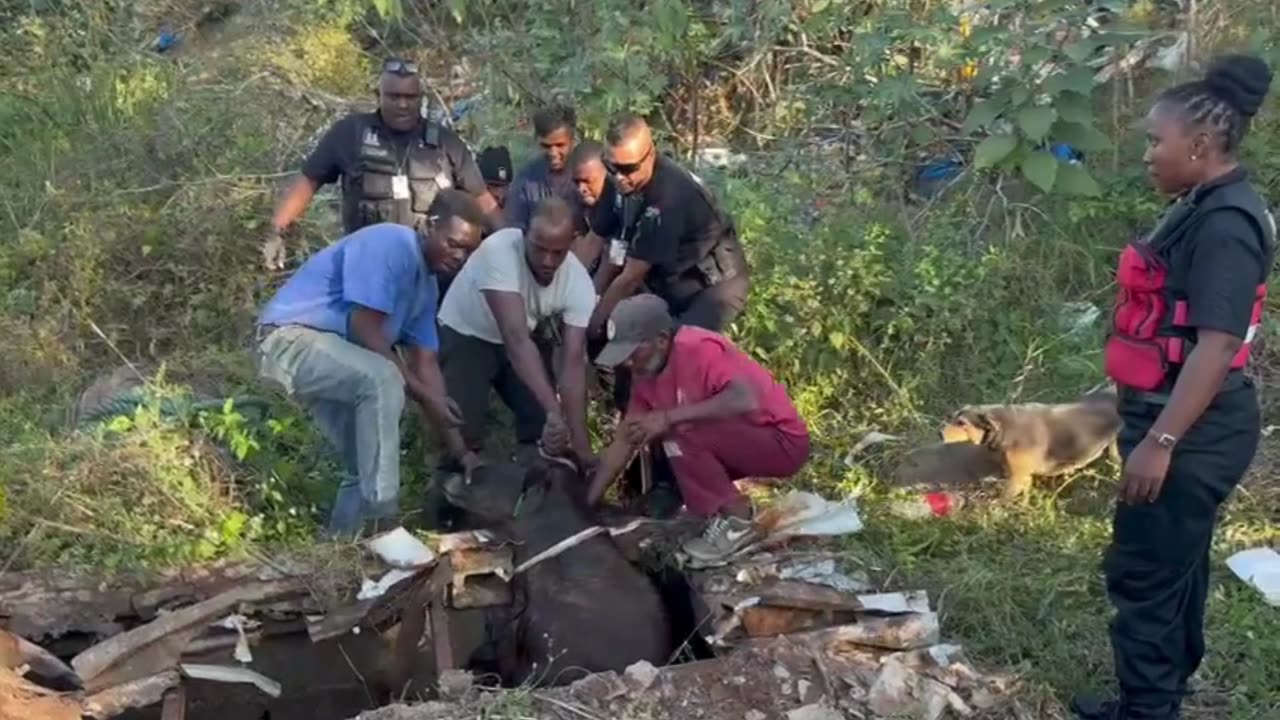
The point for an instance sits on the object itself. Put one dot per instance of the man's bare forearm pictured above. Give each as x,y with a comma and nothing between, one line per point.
432,381
524,357
612,463
295,201
573,391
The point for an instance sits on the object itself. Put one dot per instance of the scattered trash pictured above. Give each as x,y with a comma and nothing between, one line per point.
370,589
222,673
933,177
817,572
239,624
934,504
805,514
399,549
165,41
1259,567
871,438
1066,153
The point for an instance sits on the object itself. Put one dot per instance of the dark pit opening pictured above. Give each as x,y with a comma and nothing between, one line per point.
690,616
319,682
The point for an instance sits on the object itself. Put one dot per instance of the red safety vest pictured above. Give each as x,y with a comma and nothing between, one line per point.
1150,331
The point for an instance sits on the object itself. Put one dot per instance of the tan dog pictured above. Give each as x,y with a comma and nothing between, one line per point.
1039,439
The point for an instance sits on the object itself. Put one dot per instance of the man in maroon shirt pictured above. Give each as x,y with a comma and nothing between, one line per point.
717,414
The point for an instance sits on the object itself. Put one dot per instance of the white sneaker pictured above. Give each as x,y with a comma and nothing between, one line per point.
723,537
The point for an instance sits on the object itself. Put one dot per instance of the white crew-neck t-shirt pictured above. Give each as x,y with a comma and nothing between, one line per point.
499,264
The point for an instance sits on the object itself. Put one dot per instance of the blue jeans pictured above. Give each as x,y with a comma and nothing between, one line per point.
355,396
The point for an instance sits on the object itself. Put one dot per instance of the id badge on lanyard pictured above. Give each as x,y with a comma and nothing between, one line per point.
400,187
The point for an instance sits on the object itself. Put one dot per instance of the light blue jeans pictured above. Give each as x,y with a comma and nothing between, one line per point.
355,396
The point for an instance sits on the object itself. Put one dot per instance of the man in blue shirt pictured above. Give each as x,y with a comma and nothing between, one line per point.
330,337
555,129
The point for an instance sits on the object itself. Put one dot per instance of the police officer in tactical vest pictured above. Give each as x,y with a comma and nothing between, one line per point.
392,162
671,236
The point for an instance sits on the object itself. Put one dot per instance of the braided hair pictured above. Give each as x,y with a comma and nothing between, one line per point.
1225,100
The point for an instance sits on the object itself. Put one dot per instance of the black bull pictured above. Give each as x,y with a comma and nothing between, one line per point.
586,610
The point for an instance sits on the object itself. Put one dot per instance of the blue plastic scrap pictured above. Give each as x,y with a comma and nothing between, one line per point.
165,41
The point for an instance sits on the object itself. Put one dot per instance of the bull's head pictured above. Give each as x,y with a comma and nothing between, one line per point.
495,494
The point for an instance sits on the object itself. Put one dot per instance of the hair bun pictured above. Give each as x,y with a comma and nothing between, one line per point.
1241,81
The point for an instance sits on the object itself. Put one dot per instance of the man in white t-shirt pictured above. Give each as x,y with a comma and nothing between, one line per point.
513,284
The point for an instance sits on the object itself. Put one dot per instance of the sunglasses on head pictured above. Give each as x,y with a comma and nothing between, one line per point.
627,168
400,67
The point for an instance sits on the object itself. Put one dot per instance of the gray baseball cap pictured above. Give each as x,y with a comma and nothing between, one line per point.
635,320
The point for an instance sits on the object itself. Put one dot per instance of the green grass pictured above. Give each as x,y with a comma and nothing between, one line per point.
1022,589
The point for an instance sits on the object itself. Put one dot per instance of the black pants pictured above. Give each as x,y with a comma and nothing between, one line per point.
471,367
1157,566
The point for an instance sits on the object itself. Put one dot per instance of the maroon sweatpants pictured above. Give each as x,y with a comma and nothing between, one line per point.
707,457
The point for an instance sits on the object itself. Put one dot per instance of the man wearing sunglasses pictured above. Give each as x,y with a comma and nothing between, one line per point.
674,238
392,164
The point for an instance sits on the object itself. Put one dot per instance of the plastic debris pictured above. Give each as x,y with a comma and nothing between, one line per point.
872,438
399,549
1259,567
805,514
370,589
222,673
934,504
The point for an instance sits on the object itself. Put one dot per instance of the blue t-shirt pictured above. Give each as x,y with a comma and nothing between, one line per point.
379,267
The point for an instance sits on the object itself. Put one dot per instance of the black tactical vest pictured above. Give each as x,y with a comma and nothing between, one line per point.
369,193
713,257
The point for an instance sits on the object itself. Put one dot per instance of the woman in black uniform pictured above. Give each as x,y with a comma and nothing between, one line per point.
1191,296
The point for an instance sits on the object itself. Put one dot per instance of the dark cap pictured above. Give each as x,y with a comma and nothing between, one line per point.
495,165
635,320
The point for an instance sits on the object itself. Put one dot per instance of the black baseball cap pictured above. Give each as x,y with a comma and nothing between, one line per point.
495,165
637,319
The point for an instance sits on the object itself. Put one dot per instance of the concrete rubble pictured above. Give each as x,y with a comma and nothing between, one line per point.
795,636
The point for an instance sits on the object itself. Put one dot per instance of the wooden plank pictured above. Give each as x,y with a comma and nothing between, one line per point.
102,656
438,611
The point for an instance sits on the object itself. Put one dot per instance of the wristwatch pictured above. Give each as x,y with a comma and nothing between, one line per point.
1164,440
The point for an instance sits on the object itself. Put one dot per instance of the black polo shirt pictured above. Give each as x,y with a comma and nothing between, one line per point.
1219,265
670,211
